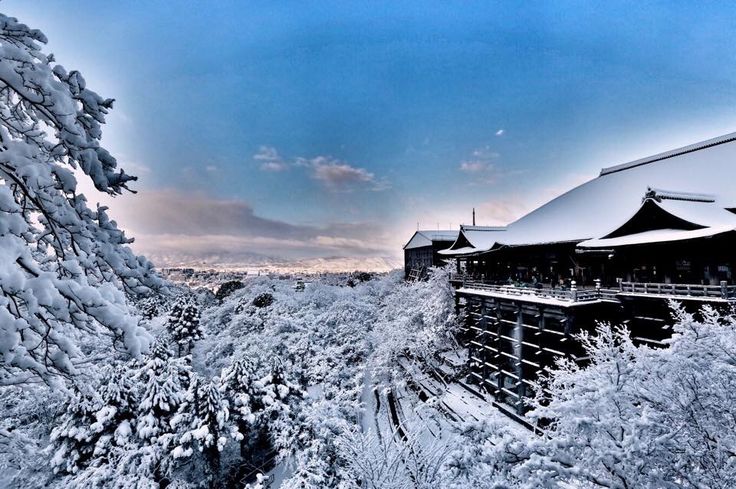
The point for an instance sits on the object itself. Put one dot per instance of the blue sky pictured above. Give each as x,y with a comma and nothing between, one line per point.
331,128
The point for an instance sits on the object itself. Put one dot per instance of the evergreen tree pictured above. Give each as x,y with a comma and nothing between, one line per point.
152,306
240,388
277,392
183,325
66,268
228,288
202,419
73,439
160,398
116,417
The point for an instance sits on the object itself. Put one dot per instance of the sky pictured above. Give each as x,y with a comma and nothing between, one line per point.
313,130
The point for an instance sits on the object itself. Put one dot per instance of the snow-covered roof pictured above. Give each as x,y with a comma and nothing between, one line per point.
699,178
474,239
667,220
727,138
655,236
427,237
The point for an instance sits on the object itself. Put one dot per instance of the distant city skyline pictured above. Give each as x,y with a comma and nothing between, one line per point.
264,131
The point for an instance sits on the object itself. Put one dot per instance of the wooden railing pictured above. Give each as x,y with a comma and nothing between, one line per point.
574,294
571,295
722,291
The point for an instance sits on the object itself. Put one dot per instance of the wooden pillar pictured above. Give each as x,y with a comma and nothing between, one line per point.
483,341
519,350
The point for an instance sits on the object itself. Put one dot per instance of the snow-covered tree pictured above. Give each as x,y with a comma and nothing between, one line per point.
184,325
388,460
416,323
161,393
277,392
152,306
120,434
65,267
228,288
202,419
240,387
73,439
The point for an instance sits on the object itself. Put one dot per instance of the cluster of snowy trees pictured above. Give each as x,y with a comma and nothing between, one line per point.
229,389
156,421
337,342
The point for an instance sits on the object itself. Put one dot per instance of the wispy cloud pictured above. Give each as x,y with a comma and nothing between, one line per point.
475,166
339,176
333,174
500,132
481,164
270,159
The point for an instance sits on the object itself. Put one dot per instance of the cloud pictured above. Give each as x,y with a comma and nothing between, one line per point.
270,159
336,175
173,223
481,165
331,173
502,211
475,166
500,132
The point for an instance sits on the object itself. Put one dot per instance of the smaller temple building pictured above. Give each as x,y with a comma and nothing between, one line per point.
422,250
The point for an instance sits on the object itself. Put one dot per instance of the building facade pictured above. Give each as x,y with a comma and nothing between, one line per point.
422,250
616,248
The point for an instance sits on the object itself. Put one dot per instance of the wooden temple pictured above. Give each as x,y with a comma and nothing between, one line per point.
422,251
616,248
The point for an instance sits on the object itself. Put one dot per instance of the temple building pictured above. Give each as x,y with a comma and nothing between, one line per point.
616,248
650,220
422,251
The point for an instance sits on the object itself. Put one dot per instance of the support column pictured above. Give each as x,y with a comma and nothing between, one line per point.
484,341
519,354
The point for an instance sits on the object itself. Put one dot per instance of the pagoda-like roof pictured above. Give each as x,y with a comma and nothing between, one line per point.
700,178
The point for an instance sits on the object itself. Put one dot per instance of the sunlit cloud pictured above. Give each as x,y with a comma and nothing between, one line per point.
183,226
339,176
481,165
270,159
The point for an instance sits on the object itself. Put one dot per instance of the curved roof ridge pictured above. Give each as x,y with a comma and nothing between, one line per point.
726,138
469,227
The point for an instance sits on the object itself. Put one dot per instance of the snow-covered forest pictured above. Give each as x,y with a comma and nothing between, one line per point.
361,386
112,376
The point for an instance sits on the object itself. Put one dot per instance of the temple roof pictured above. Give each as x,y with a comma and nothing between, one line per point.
474,239
427,237
699,178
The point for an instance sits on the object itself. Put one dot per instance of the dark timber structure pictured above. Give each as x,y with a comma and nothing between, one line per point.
616,248
422,251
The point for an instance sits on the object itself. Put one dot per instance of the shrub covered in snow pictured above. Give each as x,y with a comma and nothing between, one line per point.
228,288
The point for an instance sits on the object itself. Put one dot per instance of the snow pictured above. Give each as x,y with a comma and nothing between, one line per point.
595,207
656,236
671,153
535,296
598,206
426,238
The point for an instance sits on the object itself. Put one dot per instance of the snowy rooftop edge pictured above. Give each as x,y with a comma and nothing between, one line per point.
726,138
